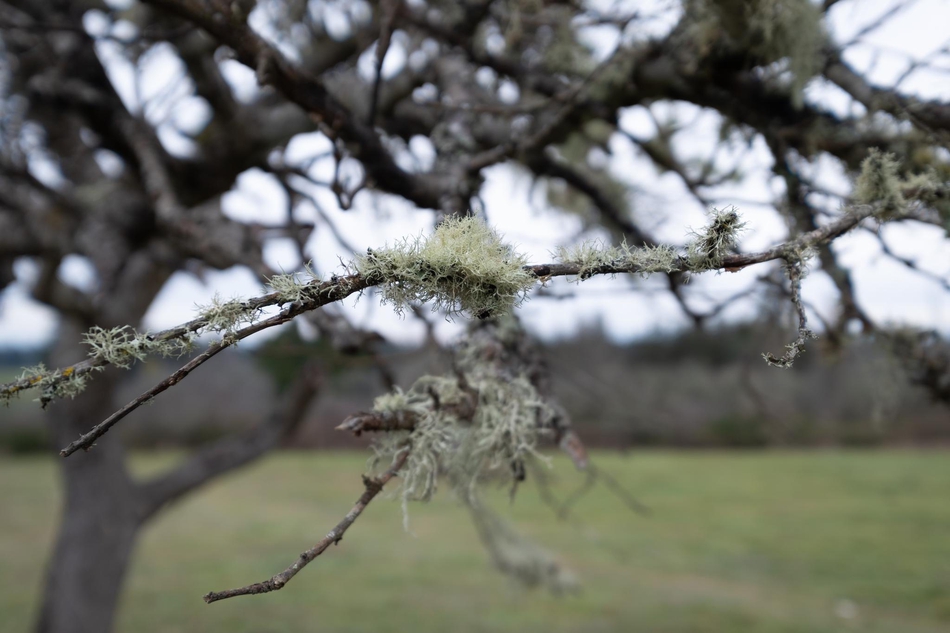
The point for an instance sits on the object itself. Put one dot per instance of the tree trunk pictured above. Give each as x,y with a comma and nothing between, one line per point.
101,513
104,508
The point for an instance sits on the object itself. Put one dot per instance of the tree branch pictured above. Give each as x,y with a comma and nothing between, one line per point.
930,115
86,441
373,486
309,93
323,293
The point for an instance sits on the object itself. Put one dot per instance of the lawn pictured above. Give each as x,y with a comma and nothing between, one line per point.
735,542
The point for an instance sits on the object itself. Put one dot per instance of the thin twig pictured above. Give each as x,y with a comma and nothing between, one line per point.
379,421
571,101
636,506
389,8
88,439
373,486
324,293
794,349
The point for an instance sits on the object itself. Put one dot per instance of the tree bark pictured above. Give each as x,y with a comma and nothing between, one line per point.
101,513
104,508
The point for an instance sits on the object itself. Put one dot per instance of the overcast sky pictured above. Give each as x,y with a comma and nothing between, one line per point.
517,206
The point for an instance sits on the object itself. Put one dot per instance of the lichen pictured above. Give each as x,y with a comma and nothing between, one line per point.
880,183
54,384
791,30
119,346
518,557
478,424
713,243
468,427
226,316
593,257
463,267
792,351
122,346
296,286
796,268
436,434
705,251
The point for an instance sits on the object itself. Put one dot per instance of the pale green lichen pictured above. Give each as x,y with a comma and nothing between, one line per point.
119,346
795,263
464,430
792,351
789,29
122,346
471,427
226,316
54,384
706,251
436,434
880,182
518,557
295,287
713,243
506,420
593,257
463,267
796,268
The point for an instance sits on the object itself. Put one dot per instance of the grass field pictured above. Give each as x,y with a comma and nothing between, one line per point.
736,542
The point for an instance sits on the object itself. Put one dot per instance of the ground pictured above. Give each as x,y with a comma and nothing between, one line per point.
764,541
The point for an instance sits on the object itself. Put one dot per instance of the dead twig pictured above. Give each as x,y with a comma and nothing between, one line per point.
372,485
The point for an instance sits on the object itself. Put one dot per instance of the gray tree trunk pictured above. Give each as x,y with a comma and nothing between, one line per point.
104,508
101,512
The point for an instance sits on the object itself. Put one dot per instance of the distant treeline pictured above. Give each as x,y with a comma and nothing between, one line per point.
691,389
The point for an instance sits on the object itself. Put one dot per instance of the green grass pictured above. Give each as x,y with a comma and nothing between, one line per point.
736,542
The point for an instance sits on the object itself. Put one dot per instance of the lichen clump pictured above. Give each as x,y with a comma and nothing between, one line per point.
484,425
706,250
717,240
53,384
594,257
880,182
297,286
480,424
122,346
226,316
463,267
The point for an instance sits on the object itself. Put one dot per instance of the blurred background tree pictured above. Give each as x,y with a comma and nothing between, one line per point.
127,125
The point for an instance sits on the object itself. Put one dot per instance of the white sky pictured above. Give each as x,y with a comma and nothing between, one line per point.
516,206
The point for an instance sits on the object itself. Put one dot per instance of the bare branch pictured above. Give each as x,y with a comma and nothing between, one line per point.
310,94
373,486
389,9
